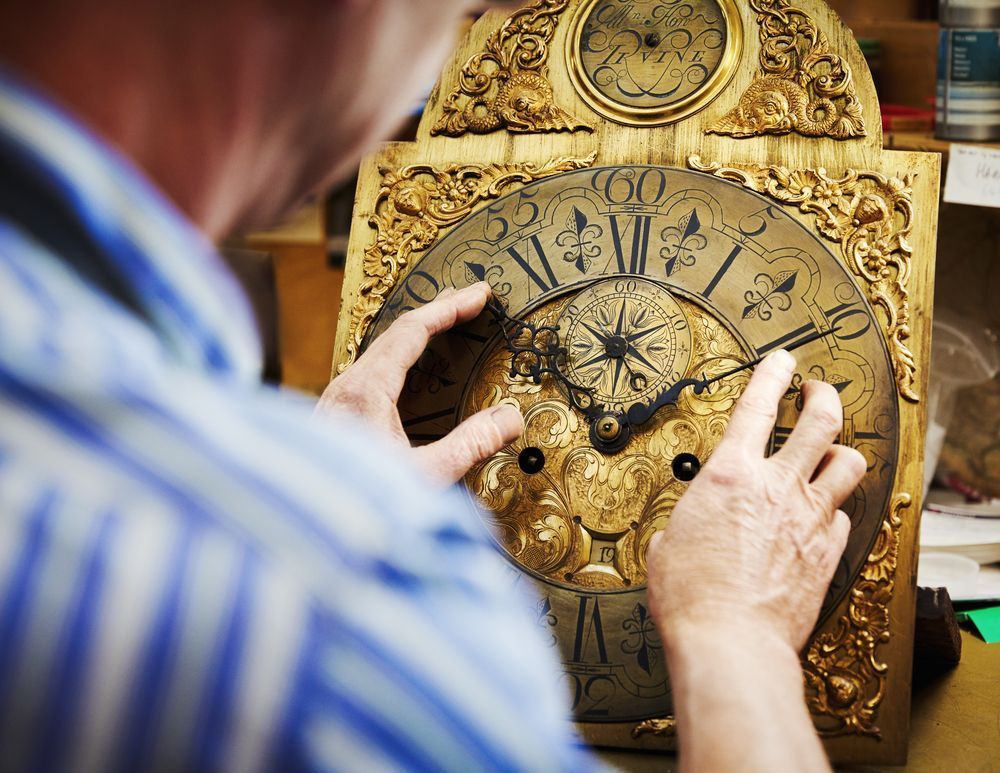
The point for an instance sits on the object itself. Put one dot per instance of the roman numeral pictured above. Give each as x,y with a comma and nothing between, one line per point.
846,322
616,56
472,340
461,332
589,631
726,264
637,231
550,280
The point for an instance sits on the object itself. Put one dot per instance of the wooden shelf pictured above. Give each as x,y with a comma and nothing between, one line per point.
928,142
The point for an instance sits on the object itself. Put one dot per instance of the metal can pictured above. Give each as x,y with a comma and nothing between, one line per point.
968,89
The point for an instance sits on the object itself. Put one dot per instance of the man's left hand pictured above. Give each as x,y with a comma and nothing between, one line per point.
370,388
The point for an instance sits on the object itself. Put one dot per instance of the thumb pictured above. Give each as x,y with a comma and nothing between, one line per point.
477,438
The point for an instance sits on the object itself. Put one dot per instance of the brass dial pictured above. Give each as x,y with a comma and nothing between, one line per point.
653,61
736,277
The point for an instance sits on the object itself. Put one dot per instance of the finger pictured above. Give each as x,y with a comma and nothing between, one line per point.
395,351
840,530
755,413
820,422
837,534
841,471
477,438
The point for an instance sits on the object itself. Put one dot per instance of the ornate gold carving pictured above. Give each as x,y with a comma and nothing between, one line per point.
803,86
870,215
586,519
507,86
412,207
845,679
665,727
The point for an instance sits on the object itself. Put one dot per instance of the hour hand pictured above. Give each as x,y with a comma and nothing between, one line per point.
538,355
640,413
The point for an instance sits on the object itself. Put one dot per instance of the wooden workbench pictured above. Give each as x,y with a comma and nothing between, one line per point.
955,721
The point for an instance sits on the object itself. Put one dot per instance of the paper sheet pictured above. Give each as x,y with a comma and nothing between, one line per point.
973,176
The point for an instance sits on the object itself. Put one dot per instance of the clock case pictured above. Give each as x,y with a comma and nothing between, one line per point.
482,137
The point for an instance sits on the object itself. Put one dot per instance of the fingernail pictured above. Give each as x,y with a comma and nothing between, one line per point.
784,360
507,419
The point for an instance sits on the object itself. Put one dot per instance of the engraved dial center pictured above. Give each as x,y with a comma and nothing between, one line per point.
559,505
616,347
625,338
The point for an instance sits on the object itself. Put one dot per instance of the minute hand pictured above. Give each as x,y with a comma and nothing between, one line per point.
641,413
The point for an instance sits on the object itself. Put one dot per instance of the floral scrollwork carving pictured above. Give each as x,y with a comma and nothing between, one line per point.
803,87
413,205
507,85
845,678
871,216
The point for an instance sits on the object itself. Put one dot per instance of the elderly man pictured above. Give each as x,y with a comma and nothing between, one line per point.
195,572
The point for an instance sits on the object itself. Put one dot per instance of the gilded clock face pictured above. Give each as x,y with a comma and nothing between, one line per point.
650,275
653,61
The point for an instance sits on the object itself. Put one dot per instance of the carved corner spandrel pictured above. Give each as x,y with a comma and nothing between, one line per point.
803,86
506,85
845,675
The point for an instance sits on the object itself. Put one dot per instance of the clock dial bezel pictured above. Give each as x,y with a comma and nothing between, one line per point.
631,115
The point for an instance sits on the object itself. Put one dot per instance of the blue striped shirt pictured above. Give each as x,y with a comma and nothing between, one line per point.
193,573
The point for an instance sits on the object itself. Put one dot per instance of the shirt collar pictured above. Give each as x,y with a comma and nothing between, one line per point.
176,277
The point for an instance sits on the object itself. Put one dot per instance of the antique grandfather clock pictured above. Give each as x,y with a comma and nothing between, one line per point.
660,191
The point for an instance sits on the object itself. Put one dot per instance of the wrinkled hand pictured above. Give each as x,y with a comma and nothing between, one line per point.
755,541
370,388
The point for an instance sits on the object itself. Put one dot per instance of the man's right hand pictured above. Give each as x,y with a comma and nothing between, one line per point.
755,541
737,577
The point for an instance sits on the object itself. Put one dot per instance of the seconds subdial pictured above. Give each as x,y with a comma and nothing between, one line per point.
625,339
